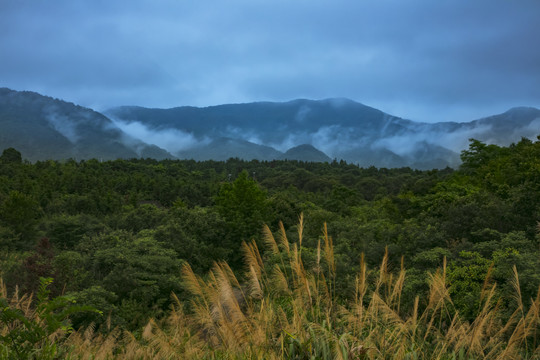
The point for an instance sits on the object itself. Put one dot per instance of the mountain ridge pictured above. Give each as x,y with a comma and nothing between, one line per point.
42,128
319,130
341,128
305,152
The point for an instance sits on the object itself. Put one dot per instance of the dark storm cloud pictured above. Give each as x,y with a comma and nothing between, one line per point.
421,59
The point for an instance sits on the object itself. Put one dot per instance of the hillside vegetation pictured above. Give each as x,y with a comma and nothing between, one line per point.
283,259
43,128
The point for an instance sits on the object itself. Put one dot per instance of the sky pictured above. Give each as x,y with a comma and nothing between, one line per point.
423,60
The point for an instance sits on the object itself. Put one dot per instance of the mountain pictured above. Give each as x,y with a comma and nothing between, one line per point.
511,125
305,152
341,128
271,123
41,128
224,148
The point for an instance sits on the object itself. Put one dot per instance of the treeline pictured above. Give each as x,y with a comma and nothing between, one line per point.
114,235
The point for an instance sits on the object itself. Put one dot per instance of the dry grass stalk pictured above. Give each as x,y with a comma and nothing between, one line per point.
269,240
283,238
329,252
300,230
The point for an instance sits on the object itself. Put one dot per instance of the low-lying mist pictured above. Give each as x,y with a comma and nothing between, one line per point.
172,140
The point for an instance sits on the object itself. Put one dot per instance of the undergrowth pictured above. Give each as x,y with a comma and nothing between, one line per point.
281,309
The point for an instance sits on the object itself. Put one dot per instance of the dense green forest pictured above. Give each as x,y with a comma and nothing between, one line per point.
117,236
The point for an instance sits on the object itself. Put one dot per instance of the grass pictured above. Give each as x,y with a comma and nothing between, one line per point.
279,309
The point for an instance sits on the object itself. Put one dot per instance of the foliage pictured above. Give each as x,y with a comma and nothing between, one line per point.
116,234
285,309
244,206
19,212
39,332
10,156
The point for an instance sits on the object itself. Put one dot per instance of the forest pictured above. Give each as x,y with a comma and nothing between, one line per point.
142,259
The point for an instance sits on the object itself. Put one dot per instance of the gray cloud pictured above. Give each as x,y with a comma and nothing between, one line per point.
64,125
302,113
404,145
172,140
420,59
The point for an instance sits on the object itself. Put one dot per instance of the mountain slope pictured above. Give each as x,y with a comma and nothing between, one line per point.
305,152
268,120
45,128
338,127
41,128
224,148
341,128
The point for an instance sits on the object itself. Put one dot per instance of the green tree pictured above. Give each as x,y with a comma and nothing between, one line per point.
66,231
11,156
139,270
20,212
144,216
196,235
478,154
466,276
244,206
101,299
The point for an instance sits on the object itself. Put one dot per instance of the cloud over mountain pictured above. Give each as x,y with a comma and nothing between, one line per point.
42,127
341,128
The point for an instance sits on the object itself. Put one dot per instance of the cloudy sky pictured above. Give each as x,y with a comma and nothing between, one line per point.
424,60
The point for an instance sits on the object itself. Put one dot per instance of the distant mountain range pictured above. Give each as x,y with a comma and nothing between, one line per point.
336,128
42,128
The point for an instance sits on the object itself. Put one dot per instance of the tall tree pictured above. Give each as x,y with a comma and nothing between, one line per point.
11,156
244,206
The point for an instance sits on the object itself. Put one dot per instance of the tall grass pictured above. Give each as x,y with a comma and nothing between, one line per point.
281,309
